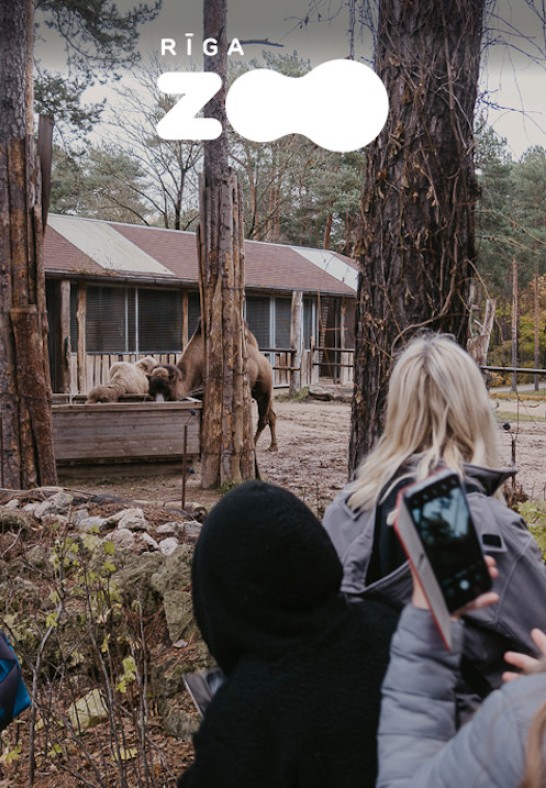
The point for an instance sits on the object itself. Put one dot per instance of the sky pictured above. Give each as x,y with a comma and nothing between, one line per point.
514,81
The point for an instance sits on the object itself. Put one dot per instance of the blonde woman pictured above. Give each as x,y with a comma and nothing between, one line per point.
439,414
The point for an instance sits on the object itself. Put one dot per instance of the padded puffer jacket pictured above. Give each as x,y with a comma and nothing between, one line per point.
418,743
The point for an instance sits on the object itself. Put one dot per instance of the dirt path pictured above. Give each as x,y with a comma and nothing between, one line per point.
312,458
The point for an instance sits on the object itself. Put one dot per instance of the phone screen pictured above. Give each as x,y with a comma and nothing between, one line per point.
442,518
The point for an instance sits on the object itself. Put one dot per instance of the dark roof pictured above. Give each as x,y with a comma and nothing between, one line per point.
172,255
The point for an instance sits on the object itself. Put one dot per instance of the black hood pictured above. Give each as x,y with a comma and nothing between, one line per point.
265,575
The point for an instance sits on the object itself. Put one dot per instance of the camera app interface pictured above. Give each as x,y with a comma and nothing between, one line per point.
442,518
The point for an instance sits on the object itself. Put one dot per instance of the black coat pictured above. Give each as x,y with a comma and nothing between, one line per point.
300,704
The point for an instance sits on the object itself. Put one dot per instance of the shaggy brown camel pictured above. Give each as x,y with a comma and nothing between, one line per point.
166,384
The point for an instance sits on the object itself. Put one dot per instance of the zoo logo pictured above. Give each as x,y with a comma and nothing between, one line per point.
340,105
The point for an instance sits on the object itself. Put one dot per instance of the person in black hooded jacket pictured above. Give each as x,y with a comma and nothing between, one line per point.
299,706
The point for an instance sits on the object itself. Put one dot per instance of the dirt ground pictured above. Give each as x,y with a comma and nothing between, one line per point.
311,461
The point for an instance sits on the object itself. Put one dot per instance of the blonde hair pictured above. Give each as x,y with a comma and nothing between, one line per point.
438,410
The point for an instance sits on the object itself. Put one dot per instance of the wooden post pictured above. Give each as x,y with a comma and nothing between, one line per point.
185,318
515,321
343,370
81,316
64,336
537,322
296,341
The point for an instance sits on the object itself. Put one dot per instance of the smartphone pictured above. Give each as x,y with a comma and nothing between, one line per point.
440,515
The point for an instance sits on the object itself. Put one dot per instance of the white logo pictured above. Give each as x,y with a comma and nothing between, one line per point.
340,105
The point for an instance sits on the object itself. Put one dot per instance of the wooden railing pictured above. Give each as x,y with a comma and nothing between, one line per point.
316,362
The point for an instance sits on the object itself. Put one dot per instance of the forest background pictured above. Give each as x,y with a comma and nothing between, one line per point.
109,163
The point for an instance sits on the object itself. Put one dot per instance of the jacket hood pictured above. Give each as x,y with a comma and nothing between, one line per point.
489,479
265,575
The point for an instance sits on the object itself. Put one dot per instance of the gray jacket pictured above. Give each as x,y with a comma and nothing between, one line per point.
521,583
418,743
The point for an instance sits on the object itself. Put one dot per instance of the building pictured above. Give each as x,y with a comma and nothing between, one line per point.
118,291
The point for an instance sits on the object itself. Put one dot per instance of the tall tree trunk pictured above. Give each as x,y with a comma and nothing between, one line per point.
417,245
227,444
515,320
536,311
26,429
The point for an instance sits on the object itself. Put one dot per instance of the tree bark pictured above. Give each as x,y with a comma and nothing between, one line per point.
26,450
227,454
417,244
515,321
296,341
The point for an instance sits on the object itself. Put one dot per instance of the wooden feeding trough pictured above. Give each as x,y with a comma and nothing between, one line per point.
131,434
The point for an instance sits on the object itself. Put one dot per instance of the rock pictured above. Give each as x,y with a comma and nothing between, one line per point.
13,520
13,504
93,525
106,498
179,717
149,541
191,531
123,538
78,515
133,512
88,712
45,507
53,520
177,721
169,528
317,392
62,501
30,508
173,581
132,519
167,546
37,556
134,578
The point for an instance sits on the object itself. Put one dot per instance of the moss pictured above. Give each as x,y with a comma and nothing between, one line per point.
534,513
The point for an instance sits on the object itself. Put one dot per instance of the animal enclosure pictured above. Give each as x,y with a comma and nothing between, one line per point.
128,433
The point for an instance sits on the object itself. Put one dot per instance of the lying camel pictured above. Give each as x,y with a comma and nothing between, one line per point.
166,384
125,378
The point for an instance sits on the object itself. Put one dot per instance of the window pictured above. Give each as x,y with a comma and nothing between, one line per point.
74,316
130,320
283,309
194,312
257,317
108,324
309,326
159,321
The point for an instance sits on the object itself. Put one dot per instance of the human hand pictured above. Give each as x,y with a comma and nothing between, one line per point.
483,600
524,662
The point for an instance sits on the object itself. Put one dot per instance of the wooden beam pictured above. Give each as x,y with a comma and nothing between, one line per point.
296,340
81,316
64,337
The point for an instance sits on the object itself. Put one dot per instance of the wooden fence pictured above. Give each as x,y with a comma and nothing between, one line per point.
316,362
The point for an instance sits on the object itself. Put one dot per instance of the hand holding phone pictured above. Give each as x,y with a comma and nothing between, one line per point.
419,599
436,530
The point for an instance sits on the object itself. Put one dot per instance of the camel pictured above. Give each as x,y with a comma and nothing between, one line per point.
169,385
166,383
124,378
